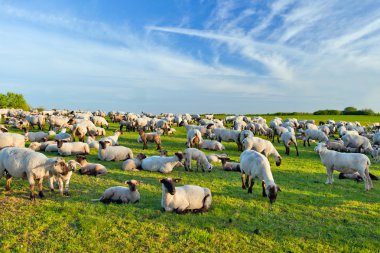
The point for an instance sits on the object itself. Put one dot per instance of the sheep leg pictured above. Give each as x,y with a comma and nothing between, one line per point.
40,193
242,181
60,186
51,183
264,187
329,172
308,141
369,181
287,150
251,186
32,195
278,138
295,145
8,182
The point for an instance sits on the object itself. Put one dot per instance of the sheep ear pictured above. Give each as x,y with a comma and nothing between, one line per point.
278,188
127,182
177,180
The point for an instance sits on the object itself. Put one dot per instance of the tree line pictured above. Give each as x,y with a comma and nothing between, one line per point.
13,100
346,111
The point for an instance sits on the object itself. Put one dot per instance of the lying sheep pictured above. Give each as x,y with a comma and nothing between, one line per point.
150,137
356,176
26,163
12,140
51,148
314,135
262,146
197,155
288,138
63,136
185,198
215,158
36,136
113,139
92,142
344,162
255,165
72,148
212,145
161,163
63,180
113,153
337,145
86,168
230,166
133,164
120,194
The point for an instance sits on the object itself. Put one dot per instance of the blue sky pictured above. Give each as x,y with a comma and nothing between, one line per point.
192,56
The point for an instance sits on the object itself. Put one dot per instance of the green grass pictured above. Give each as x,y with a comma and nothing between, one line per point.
308,215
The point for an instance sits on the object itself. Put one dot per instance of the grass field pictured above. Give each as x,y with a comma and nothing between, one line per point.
308,215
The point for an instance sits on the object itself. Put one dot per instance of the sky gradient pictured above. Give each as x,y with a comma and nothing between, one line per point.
192,56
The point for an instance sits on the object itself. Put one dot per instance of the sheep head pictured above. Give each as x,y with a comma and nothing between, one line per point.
272,192
132,184
169,184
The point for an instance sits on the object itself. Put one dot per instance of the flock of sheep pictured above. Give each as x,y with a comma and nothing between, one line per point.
348,154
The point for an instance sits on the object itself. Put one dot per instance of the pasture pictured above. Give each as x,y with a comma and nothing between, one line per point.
308,215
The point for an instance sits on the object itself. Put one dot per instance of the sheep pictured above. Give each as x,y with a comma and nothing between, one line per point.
3,129
229,166
314,135
196,154
376,139
194,138
98,120
51,148
212,145
72,148
288,138
205,130
26,163
150,137
92,142
120,194
356,176
133,164
344,162
255,165
63,179
113,153
87,168
227,135
160,163
185,198
262,146
57,121
36,136
278,131
164,152
244,134
38,120
337,145
358,142
12,140
113,139
63,136
215,158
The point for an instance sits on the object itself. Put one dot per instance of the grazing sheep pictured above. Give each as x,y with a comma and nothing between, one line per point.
38,120
150,137
26,163
314,135
212,145
120,194
230,166
255,165
12,140
358,142
87,168
344,162
161,163
196,154
113,153
113,139
194,138
72,148
288,138
133,164
278,131
215,158
92,142
262,146
98,120
63,180
185,198
227,135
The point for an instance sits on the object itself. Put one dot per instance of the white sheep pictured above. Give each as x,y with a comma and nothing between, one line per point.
36,136
12,140
314,135
215,158
86,168
227,135
185,198
288,138
63,180
344,162
255,165
262,146
229,166
51,148
194,138
120,194
113,139
92,142
133,164
358,142
161,163
63,136
72,148
376,139
197,155
26,163
113,153
212,145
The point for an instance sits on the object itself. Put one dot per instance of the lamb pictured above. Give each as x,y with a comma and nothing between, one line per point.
255,165
288,138
196,154
26,163
344,162
113,139
337,145
113,153
36,136
212,145
63,180
92,142
194,138
227,135
358,142
12,140
314,135
87,168
262,146
120,194
185,198
230,166
72,148
215,158
161,163
150,137
133,164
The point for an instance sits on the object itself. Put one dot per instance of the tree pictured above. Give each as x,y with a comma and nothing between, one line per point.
13,100
3,101
350,110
